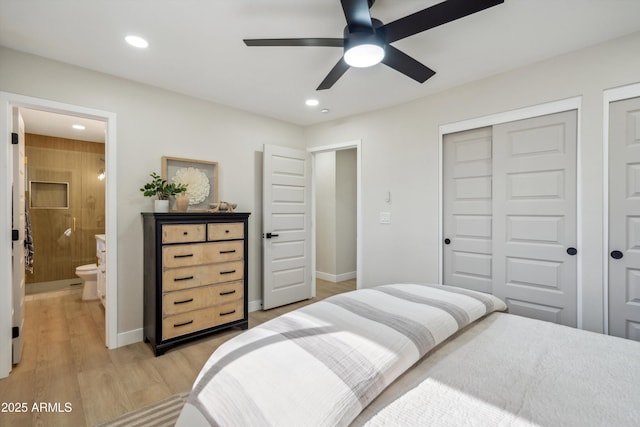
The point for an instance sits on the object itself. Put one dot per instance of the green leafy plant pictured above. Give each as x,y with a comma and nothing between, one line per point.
161,188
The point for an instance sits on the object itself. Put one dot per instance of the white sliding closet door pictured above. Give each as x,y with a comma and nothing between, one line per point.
534,204
624,219
510,214
467,210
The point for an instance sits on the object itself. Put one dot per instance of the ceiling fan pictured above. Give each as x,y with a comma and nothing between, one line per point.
367,41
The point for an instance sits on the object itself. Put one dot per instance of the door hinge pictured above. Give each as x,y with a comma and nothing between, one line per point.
15,235
15,332
14,138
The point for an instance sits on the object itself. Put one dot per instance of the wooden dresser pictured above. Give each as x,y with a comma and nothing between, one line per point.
195,275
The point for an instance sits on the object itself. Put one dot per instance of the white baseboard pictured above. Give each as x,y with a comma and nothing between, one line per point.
130,337
336,277
255,305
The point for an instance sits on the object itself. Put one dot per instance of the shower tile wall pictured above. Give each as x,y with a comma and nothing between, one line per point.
64,237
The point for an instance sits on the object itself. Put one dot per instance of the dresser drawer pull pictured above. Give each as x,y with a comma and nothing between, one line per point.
177,279
227,313
183,256
228,252
186,233
175,325
228,292
183,302
228,272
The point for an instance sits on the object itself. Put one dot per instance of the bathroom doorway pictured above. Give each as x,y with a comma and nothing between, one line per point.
65,193
10,326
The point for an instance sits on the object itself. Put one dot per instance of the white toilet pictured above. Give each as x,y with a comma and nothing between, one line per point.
89,273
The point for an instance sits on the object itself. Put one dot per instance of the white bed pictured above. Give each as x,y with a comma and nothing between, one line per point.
357,358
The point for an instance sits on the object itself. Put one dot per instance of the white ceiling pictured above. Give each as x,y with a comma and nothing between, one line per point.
196,46
53,124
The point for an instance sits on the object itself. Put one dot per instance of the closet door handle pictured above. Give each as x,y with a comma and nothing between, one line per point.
572,251
447,241
616,254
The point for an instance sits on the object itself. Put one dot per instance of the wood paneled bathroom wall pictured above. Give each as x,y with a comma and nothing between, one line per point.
63,237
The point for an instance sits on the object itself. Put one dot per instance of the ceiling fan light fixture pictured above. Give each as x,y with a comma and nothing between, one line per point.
364,55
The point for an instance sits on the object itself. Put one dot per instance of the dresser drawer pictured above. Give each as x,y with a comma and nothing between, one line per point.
183,233
225,231
185,323
197,298
201,253
191,277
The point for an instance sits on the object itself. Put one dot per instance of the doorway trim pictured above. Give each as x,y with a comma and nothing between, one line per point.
552,107
357,144
7,102
609,96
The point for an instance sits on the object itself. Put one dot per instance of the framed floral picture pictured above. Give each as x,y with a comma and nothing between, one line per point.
201,178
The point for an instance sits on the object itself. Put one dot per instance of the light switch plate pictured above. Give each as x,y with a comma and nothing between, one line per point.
385,217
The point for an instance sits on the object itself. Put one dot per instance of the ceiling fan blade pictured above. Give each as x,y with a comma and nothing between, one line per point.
357,14
336,72
326,42
405,64
433,16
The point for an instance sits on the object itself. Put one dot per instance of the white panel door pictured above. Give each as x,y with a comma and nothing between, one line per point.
534,208
467,210
19,206
624,219
286,226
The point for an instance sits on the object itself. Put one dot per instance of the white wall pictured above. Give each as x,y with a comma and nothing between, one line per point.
400,154
151,123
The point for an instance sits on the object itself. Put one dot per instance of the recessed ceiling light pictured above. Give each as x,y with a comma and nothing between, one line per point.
324,110
312,102
78,127
136,41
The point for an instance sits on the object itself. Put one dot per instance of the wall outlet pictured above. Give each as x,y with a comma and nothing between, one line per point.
385,217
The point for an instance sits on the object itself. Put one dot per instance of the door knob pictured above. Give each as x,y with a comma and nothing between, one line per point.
447,241
616,254
270,235
572,251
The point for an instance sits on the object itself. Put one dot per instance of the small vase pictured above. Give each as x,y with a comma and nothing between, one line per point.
182,202
161,206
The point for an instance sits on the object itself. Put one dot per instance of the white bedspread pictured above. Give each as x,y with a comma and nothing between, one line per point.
508,370
322,364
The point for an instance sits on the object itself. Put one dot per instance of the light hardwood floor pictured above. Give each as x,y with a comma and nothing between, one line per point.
65,361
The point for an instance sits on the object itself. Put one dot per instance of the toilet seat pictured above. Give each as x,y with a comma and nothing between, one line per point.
87,267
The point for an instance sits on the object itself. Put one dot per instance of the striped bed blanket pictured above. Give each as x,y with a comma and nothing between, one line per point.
322,364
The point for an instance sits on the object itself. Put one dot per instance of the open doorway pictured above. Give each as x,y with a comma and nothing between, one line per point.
336,216
9,104
65,193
